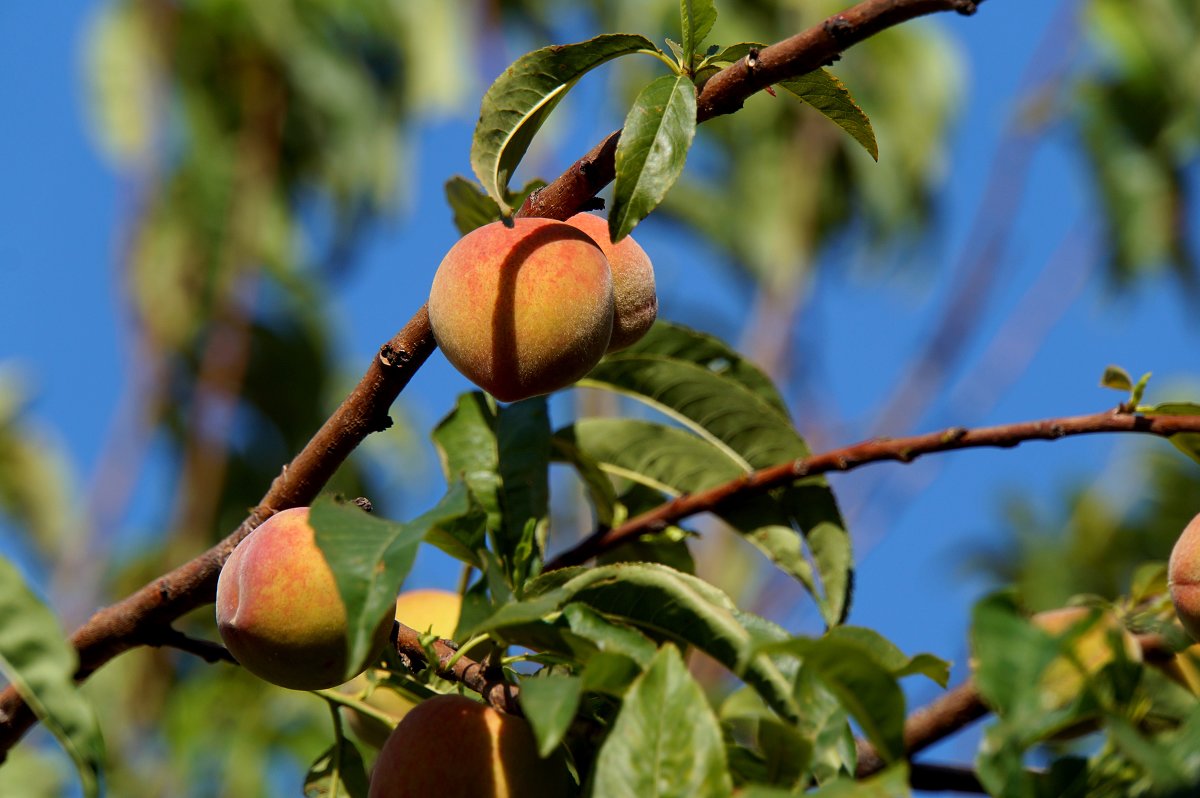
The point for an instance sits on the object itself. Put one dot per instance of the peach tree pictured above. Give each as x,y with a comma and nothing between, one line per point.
584,645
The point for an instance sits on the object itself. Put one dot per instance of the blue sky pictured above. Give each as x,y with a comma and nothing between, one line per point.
61,204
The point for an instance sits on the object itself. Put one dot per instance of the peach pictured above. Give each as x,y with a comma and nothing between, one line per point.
636,304
1183,578
523,311
453,746
279,610
430,610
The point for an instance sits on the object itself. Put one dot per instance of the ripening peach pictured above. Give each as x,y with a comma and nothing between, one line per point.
525,310
1183,578
453,746
279,610
633,281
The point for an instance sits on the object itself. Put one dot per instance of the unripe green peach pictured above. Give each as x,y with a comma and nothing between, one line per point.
525,310
453,746
1183,578
428,610
633,281
279,610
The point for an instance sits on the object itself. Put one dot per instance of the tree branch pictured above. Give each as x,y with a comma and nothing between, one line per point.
131,622
488,682
207,650
847,459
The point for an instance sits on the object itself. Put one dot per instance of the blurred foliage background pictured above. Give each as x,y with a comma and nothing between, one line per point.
260,142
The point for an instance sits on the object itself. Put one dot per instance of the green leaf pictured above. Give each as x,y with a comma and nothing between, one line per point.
678,342
696,20
370,557
609,636
549,703
826,722
734,52
654,143
786,749
864,686
503,454
1139,388
471,205
610,674
889,783
665,740
521,99
523,439
887,654
37,660
675,462
656,598
466,443
338,772
1116,378
823,91
727,405
1186,442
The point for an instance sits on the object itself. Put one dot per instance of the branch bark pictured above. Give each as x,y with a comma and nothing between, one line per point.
874,451
488,682
134,620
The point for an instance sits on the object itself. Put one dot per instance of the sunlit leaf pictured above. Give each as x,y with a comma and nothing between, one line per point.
727,405
889,783
1186,442
660,600
863,685
1116,378
887,654
823,91
503,455
549,703
665,740
370,557
521,99
37,660
696,20
651,152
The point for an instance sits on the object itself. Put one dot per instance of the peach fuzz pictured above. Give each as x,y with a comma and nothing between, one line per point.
636,303
453,746
1183,578
279,611
523,311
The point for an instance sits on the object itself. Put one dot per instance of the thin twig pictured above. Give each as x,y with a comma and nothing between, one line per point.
874,451
207,650
488,682
126,624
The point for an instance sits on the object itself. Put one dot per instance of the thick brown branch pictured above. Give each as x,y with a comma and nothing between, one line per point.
489,683
874,451
130,622
139,618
